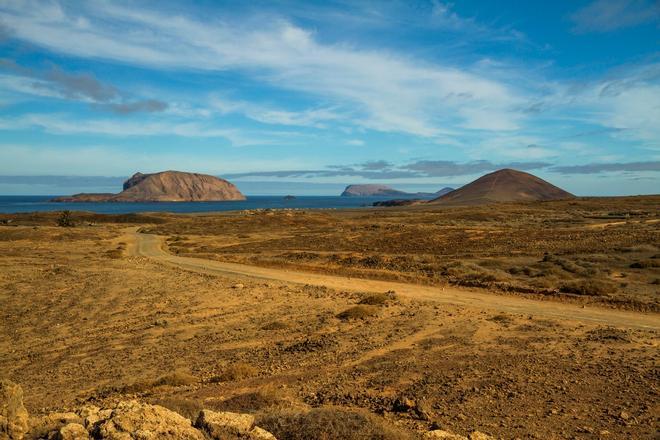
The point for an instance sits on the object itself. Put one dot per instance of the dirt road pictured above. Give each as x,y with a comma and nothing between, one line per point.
152,246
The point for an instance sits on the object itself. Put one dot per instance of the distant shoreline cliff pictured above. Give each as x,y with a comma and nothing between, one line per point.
373,190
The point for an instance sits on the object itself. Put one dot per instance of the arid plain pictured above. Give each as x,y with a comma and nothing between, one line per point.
530,320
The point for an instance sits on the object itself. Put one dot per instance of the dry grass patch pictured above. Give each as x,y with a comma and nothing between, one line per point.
253,401
377,299
358,312
329,423
234,372
175,379
275,325
188,408
588,287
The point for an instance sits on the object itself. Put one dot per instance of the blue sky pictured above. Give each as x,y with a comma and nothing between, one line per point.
305,97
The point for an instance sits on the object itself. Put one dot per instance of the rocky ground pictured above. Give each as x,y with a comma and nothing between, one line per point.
604,251
83,324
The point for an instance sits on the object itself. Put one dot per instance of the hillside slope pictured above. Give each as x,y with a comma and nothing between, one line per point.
504,185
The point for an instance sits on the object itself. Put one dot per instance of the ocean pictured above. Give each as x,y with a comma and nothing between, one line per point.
15,204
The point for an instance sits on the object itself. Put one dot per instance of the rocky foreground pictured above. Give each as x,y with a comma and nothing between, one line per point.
131,419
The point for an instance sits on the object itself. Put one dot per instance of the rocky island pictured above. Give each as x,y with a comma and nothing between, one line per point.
166,186
375,190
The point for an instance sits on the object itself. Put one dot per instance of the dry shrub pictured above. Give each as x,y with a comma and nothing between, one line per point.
608,334
175,379
253,401
645,264
358,312
501,318
377,299
472,274
65,220
237,371
186,407
275,325
588,287
328,423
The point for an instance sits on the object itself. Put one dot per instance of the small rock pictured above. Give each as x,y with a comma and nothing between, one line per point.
439,434
237,286
72,431
476,435
404,404
261,434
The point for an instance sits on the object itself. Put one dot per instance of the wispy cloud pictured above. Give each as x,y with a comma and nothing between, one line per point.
442,168
390,91
384,170
610,15
63,124
58,83
314,117
596,168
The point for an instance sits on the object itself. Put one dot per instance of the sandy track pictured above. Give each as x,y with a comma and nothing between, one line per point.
152,246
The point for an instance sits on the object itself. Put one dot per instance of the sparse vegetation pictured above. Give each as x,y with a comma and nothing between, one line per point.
358,312
234,372
254,401
188,408
275,325
377,299
65,220
175,379
645,264
329,423
588,287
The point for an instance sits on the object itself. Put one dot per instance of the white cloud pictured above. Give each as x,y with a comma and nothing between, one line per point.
315,117
390,91
355,142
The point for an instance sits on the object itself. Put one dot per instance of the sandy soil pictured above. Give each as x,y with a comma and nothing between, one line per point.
97,313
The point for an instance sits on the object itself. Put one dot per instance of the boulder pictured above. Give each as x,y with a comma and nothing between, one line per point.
49,425
13,415
439,434
139,421
230,426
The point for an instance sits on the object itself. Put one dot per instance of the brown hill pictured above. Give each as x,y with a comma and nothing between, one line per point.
505,185
166,186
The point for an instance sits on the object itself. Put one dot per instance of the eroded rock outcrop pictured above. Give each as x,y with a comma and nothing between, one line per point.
13,415
127,420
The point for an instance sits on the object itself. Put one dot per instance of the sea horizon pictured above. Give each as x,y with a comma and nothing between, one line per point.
13,204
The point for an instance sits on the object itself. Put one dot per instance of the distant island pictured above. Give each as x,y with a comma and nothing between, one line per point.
166,186
375,190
